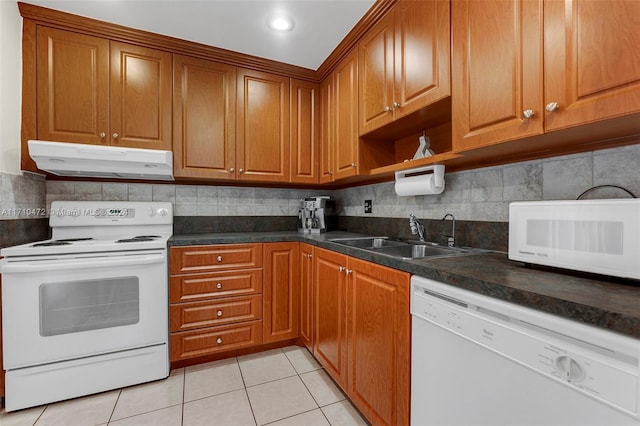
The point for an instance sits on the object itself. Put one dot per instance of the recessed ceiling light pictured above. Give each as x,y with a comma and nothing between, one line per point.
280,22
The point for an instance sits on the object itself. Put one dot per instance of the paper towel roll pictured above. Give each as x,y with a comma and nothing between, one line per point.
418,185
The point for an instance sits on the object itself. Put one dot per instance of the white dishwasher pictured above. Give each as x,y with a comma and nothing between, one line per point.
476,360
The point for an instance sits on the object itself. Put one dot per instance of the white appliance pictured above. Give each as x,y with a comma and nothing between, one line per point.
86,311
599,236
476,360
81,160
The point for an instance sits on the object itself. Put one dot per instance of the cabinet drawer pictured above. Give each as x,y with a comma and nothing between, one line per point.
186,316
188,288
191,344
215,258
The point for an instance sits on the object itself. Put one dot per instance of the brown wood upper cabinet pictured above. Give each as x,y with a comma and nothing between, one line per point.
263,127
404,62
96,91
525,68
339,121
305,131
204,118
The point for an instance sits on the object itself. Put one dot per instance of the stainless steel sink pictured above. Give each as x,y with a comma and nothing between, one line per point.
404,249
368,242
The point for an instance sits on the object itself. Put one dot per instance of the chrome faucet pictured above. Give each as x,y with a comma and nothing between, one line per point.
416,227
451,239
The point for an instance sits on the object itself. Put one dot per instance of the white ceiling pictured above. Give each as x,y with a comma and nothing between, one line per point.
238,25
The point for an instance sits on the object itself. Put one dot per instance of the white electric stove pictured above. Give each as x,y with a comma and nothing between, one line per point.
86,311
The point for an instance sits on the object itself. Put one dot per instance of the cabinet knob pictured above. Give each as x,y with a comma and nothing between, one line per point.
219,258
348,271
341,268
219,286
552,106
115,136
353,164
387,108
231,170
240,170
396,105
219,313
219,340
528,113
103,135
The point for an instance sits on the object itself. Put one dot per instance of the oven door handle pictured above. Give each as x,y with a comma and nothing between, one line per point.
81,263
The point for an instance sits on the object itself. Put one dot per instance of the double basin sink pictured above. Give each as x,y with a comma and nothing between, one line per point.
405,250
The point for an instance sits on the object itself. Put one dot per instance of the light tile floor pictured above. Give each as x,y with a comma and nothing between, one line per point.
281,387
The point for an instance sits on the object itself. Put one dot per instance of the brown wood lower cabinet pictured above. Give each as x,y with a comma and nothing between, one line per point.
362,333
352,314
306,295
281,291
330,313
215,299
209,341
379,350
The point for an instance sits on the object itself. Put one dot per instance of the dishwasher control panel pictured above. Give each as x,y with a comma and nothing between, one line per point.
584,366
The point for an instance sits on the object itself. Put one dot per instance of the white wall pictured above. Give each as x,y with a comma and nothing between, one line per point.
10,86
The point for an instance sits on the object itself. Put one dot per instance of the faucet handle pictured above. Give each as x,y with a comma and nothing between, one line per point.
450,241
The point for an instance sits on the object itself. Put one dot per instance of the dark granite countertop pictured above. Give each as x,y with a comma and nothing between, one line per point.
600,301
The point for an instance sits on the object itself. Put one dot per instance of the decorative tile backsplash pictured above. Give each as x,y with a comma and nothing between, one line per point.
478,195
485,194
22,196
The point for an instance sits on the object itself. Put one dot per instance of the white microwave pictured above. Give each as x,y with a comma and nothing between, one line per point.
598,236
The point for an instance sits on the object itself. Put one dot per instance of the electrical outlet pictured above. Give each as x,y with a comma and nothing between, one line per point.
368,205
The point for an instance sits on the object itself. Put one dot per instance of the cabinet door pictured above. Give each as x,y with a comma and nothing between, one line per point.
496,71
263,127
140,97
346,117
72,87
327,135
329,311
204,118
305,131
306,295
375,78
379,342
281,292
422,58
591,60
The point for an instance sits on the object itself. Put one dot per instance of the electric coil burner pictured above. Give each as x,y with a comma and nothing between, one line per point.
86,311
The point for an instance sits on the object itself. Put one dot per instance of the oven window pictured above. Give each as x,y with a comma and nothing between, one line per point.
73,306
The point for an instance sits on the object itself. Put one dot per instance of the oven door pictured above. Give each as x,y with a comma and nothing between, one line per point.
73,307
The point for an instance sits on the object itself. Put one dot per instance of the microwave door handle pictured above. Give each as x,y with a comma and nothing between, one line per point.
80,263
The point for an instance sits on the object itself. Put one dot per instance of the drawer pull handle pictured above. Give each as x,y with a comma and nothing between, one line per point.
219,259
219,313
219,341
219,285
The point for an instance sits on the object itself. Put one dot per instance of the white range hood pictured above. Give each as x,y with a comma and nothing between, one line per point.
80,160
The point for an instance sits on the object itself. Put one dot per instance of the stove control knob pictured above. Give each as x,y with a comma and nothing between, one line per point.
164,212
152,211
